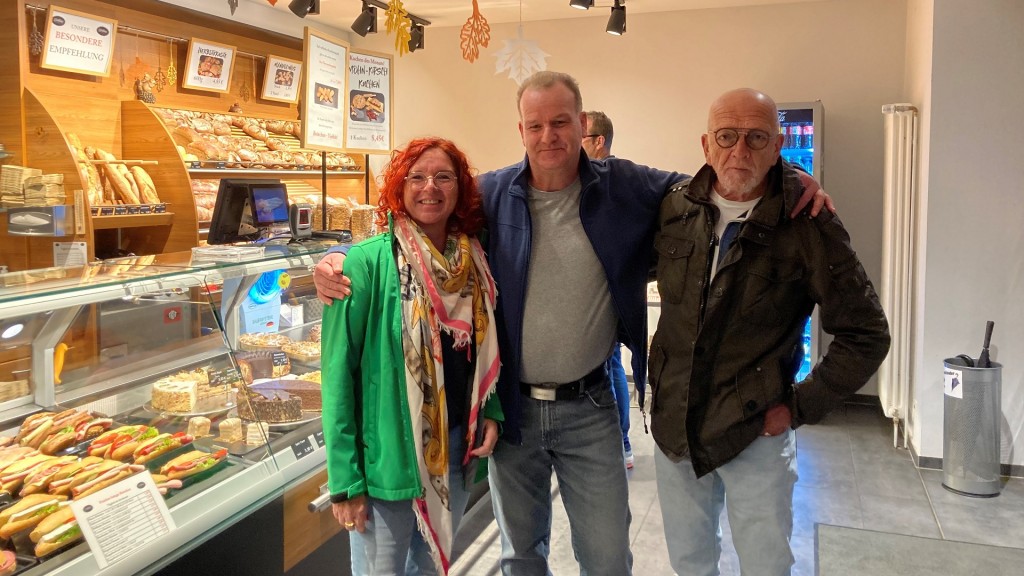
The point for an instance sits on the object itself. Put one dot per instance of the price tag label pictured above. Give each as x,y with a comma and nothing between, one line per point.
319,439
123,518
302,448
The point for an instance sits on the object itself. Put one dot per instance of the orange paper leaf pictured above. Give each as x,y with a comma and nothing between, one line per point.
476,33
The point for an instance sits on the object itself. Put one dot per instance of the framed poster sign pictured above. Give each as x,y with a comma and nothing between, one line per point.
78,42
369,103
323,103
282,79
209,66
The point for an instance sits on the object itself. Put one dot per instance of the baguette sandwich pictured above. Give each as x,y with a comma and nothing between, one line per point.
36,432
92,428
29,424
62,481
192,463
60,440
12,454
120,443
55,532
104,479
43,475
163,483
154,447
28,512
14,475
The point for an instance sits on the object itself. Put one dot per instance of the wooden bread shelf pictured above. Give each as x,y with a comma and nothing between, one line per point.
264,173
132,221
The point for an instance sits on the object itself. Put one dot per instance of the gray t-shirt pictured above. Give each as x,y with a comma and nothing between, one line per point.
569,324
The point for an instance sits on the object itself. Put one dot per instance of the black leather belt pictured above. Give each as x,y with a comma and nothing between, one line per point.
551,391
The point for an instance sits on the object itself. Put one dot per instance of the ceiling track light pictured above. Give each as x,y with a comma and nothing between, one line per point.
303,7
582,4
617,21
366,22
416,37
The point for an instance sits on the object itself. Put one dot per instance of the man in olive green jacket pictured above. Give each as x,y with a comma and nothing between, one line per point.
738,279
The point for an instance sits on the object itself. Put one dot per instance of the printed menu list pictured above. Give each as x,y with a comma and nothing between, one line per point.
122,518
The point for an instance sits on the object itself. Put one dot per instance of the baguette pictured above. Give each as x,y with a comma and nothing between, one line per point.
56,531
147,190
40,480
107,478
192,463
115,177
35,437
28,512
29,424
60,440
14,475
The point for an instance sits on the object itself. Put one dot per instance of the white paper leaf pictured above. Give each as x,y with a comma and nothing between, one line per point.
521,58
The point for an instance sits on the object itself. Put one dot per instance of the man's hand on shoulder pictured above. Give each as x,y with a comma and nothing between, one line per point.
812,191
329,281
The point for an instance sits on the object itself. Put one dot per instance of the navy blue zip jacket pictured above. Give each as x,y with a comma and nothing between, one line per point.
619,204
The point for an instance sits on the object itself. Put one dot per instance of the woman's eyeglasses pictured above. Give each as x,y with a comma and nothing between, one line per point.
443,180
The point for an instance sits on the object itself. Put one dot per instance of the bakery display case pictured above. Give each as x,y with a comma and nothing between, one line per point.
198,368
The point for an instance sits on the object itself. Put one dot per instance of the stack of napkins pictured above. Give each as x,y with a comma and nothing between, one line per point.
45,190
12,179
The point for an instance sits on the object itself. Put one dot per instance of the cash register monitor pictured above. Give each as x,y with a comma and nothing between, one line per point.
246,208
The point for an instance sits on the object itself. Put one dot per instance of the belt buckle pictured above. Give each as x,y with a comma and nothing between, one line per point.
538,393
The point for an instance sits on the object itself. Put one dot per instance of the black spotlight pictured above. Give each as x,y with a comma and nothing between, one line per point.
366,22
303,7
617,21
581,4
415,37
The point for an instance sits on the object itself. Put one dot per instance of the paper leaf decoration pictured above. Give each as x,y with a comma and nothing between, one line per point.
476,34
521,57
272,2
398,22
233,4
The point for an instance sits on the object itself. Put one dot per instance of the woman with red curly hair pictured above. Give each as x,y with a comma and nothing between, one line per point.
410,365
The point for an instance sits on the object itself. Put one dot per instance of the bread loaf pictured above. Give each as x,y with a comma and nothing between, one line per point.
184,135
121,185
202,126
147,190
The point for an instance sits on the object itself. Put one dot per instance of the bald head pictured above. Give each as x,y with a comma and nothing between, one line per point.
745,102
742,142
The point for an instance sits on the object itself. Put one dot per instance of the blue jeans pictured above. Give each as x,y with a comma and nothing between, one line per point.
758,484
620,387
392,539
580,440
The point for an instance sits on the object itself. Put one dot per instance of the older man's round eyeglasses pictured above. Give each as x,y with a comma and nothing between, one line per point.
443,180
728,137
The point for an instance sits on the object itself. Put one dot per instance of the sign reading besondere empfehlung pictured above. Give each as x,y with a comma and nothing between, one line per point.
78,42
325,60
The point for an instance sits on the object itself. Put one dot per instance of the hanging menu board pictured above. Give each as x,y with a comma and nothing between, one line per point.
369,103
325,61
78,42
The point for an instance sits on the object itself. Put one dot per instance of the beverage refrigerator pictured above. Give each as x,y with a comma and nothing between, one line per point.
801,125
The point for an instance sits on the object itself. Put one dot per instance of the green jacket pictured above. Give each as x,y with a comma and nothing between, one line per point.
728,350
366,419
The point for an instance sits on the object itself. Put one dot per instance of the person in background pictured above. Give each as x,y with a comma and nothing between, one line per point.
570,241
410,365
738,278
597,143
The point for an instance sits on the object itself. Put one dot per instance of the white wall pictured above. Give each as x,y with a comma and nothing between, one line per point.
975,259
657,81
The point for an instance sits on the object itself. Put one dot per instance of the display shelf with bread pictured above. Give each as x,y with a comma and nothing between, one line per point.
131,399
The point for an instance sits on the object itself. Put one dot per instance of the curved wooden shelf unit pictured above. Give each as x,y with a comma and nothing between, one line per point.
213,173
132,221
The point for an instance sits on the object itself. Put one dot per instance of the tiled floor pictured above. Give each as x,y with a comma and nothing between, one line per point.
850,475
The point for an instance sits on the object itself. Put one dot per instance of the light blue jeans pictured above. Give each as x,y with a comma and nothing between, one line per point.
581,441
620,387
392,539
758,484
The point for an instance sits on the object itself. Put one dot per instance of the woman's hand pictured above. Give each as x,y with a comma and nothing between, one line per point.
352,514
486,447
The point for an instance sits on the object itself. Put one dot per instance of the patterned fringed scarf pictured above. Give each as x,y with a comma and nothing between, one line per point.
455,294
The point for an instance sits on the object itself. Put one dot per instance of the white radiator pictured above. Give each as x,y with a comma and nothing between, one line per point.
900,215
